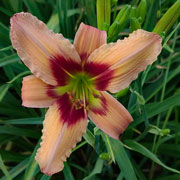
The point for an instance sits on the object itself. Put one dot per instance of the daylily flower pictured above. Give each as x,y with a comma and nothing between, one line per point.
72,81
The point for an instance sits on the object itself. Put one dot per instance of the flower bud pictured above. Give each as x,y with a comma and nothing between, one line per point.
105,156
168,19
165,131
141,10
119,22
140,98
134,24
103,14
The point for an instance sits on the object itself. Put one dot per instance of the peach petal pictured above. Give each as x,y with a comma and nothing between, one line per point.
58,139
127,57
36,45
34,93
112,118
88,39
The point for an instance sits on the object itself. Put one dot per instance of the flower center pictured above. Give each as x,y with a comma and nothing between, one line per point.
81,90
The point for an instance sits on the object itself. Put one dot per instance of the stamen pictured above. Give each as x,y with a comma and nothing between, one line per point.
96,95
63,89
81,91
68,73
78,104
71,96
84,98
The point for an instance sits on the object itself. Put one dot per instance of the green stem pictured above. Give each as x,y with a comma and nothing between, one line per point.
143,107
103,14
145,73
144,113
155,144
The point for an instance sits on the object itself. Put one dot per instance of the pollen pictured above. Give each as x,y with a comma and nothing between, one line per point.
78,104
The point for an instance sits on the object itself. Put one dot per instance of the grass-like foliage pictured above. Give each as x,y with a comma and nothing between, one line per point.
149,149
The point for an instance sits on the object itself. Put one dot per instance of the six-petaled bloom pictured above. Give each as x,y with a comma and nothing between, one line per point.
72,81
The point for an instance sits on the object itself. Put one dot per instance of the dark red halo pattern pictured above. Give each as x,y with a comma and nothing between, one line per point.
60,66
103,73
69,113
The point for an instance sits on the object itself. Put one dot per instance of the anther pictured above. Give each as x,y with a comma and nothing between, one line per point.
71,96
96,96
78,104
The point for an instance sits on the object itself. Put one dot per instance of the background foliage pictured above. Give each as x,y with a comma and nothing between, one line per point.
149,148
